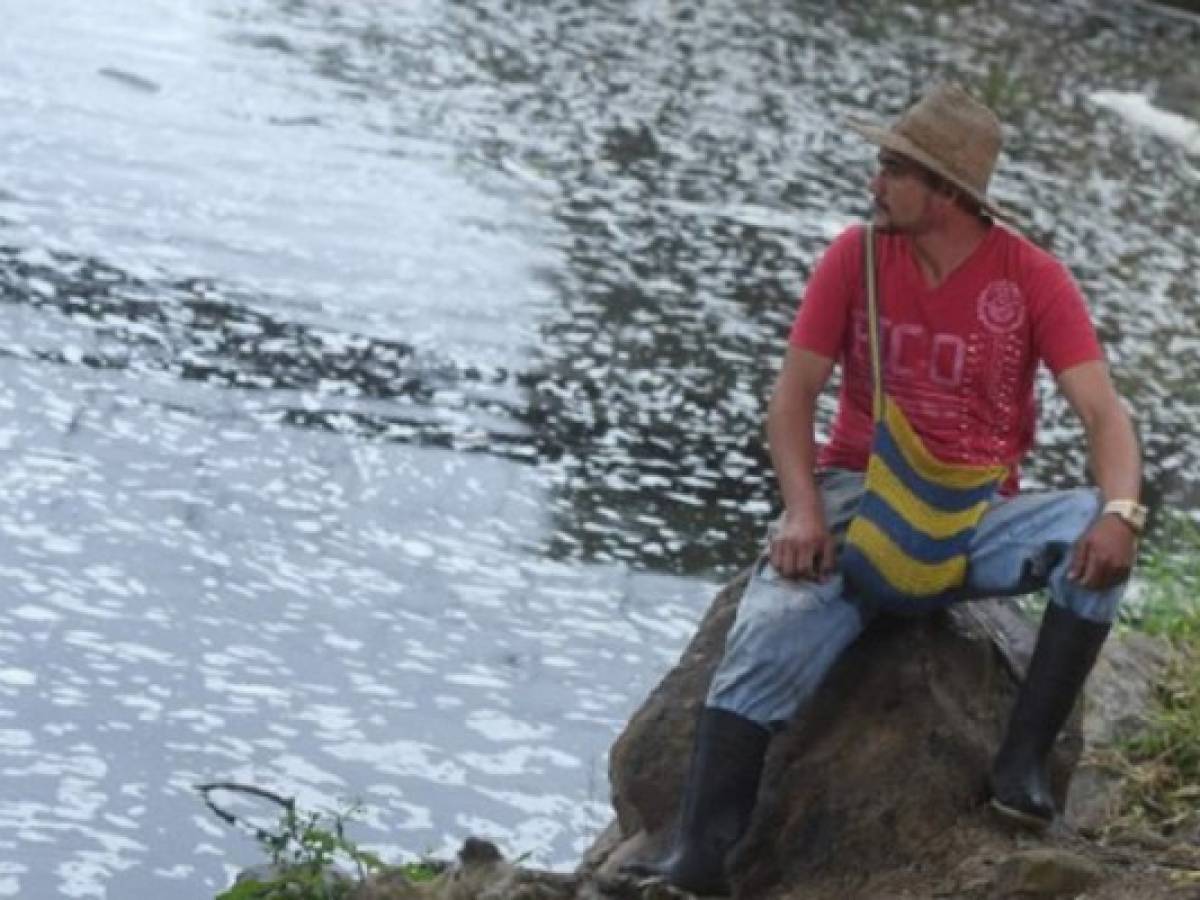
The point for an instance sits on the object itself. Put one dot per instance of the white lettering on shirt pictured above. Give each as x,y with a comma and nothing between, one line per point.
947,359
911,350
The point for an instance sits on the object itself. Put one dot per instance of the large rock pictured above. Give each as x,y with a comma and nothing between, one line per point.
883,777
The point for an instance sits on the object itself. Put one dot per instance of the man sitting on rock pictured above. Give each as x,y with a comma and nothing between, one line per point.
969,309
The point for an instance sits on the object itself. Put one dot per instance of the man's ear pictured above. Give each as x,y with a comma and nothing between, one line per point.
945,196
950,195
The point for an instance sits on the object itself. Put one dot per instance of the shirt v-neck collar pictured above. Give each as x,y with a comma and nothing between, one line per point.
917,277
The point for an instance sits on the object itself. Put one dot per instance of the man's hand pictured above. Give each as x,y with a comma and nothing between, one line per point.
1105,554
803,546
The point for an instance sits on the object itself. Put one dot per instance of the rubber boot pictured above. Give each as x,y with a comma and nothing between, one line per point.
718,799
1067,647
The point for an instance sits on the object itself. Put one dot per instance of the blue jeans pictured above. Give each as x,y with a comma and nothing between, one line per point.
789,632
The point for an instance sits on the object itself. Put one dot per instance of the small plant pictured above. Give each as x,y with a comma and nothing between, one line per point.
306,852
1004,90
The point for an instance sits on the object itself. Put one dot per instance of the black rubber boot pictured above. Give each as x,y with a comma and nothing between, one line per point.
718,799
1067,647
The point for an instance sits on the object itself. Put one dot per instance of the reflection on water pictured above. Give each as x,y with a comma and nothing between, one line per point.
383,383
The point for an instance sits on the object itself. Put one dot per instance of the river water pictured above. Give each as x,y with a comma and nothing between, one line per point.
383,382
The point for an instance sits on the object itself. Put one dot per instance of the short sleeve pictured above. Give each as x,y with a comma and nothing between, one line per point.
824,313
1063,333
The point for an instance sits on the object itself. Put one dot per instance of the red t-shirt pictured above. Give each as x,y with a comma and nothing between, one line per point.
960,359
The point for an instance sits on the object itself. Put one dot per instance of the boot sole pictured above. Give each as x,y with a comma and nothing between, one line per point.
645,875
1015,816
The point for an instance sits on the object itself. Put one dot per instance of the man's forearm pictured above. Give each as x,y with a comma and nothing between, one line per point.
1112,445
1115,457
1105,554
790,418
793,453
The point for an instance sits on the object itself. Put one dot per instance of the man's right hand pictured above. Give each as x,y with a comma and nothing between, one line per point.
802,547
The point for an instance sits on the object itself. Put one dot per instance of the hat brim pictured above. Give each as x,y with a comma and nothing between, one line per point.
888,139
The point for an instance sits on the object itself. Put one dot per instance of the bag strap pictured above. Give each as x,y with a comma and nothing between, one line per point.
873,320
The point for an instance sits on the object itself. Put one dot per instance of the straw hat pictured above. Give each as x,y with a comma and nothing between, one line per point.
949,132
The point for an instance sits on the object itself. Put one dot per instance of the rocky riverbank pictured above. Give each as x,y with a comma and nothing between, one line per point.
878,790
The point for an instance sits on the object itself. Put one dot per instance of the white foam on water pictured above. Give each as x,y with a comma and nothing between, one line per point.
1139,110
501,727
18,677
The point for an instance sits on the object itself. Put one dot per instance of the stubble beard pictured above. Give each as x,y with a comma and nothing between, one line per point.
884,224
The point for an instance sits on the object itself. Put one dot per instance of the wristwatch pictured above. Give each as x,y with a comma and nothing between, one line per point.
1130,511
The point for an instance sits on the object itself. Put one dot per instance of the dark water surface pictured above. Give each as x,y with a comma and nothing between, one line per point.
383,382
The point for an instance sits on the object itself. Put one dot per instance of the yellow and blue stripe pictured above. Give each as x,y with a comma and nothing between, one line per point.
908,543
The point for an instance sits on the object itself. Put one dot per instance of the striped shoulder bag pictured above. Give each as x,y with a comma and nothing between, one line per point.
906,548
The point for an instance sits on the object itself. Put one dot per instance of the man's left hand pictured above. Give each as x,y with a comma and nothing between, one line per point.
1105,554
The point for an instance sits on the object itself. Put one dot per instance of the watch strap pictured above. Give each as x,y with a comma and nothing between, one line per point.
1132,512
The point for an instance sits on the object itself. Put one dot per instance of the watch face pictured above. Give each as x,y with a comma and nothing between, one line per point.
1133,513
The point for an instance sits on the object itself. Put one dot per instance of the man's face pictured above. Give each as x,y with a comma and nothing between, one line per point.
904,198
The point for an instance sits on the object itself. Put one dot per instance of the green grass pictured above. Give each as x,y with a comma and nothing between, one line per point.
1160,766
1168,602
